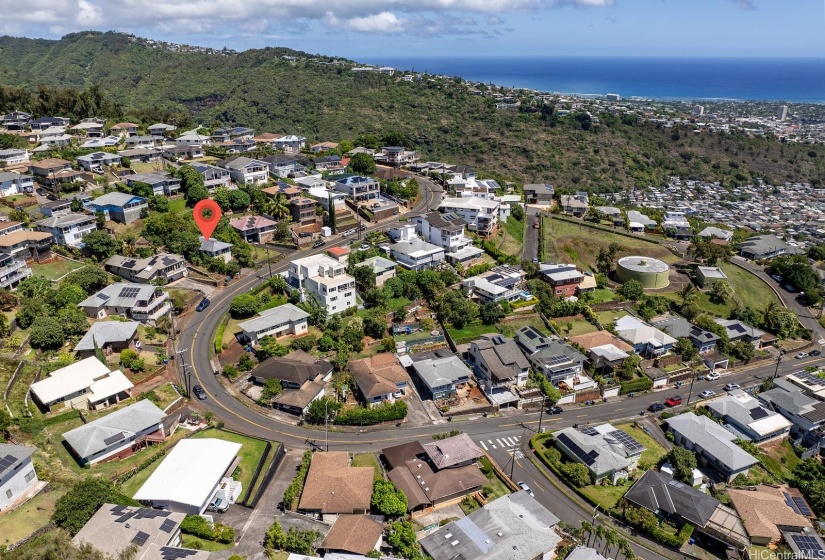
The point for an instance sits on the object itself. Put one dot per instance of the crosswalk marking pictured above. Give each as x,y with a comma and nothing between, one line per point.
482,445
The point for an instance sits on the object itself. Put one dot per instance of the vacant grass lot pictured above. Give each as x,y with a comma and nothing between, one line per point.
29,517
580,244
471,332
705,304
606,496
21,386
515,228
56,269
578,325
748,288
608,317
251,452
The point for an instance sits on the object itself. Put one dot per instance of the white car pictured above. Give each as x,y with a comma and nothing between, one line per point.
712,376
801,355
524,487
731,386
397,394
707,394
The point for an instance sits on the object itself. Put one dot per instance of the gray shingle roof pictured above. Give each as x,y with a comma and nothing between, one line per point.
106,332
275,316
714,440
90,438
657,491
213,245
67,220
18,452
116,199
795,402
110,295
453,451
439,372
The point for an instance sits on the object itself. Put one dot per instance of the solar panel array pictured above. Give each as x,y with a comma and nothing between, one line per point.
111,439
104,297
6,462
556,360
810,379
168,526
627,441
170,553
802,507
808,545
589,431
140,538
757,413
586,458
129,292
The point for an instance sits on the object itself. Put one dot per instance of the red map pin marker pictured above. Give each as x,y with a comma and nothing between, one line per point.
207,224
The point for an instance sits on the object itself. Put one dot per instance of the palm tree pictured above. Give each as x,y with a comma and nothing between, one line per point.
626,549
600,532
278,206
586,529
688,294
611,537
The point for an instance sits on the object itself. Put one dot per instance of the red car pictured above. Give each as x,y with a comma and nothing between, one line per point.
674,401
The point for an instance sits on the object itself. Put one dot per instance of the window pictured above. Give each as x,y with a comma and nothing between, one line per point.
30,476
8,494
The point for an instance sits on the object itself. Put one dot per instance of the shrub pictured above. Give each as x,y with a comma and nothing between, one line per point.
231,372
293,491
197,526
363,416
640,384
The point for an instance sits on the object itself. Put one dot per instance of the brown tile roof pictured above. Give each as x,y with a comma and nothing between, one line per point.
353,533
423,485
600,338
453,450
267,137
338,251
378,374
763,509
398,455
296,367
332,486
300,398
49,163
15,237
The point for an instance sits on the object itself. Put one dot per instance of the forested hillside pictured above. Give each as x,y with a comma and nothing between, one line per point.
324,101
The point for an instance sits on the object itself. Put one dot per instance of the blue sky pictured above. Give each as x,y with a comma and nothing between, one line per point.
392,28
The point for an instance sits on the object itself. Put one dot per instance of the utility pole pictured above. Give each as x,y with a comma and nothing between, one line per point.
269,262
776,371
690,393
541,414
326,425
183,368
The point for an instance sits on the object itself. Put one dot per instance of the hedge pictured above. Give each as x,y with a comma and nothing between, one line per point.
64,417
294,489
365,416
199,527
640,384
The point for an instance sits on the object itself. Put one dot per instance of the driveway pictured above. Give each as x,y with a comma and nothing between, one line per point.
530,250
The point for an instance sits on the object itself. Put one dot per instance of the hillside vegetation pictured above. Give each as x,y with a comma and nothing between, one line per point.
324,101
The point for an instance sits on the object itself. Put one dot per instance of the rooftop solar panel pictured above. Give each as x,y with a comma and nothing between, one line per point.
802,506
758,413
167,526
589,431
808,545
627,441
586,458
140,538
790,503
7,462
111,439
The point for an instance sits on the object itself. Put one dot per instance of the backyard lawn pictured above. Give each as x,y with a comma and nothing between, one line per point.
653,449
495,487
603,295
190,541
368,460
29,517
606,496
177,205
251,452
56,269
608,317
471,332
578,325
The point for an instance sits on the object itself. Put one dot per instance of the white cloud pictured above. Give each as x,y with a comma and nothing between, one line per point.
384,22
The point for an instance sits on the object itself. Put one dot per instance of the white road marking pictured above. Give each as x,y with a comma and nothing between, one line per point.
482,445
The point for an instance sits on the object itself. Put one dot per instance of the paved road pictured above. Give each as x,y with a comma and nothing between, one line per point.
530,250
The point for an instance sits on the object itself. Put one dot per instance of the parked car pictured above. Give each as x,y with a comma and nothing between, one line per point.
218,505
203,305
815,353
675,400
536,224
28,189
731,386
199,392
713,376
707,394
319,243
801,355
656,407
364,247
776,277
397,394
51,196
42,192
524,487
362,227
554,410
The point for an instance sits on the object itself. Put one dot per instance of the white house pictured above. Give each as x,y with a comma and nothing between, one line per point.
216,249
290,143
417,254
17,474
244,170
69,229
358,188
177,486
447,230
481,215
85,384
141,302
279,321
324,279
12,156
12,183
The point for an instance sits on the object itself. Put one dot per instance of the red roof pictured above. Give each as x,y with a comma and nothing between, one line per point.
338,251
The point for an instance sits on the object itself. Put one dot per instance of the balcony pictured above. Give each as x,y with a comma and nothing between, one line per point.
14,273
150,308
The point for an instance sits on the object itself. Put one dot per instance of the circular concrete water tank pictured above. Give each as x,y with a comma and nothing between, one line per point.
652,273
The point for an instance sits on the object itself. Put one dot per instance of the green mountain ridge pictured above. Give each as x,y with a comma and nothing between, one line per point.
321,100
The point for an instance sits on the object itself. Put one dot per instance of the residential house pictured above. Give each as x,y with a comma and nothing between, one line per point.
117,435
396,156
176,486
607,452
245,171
125,129
767,510
48,171
161,129
356,534
384,269
161,268
12,271
638,222
254,229
481,215
333,487
539,193
155,535
283,320
290,143
379,378
84,384
331,165
44,123
55,208
806,413
140,302
447,231
216,249
24,245
17,475
10,227
303,377
358,188
707,276
499,365
441,375
610,213
109,336
16,120
805,543
137,142
283,165
12,183
90,128
120,207
183,151
213,177
323,147
647,341
712,232
417,254
501,283
324,279
192,139
96,160
564,278
99,143
738,330
704,341
584,553
11,156
340,254
304,214
604,350
143,155
676,225
437,474
69,229
749,419
574,204
680,503
765,247
559,362
162,182
267,139
714,445
516,527
52,138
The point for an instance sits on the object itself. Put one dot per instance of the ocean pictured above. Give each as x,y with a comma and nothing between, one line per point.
763,79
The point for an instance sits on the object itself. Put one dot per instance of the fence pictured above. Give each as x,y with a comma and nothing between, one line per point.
280,453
